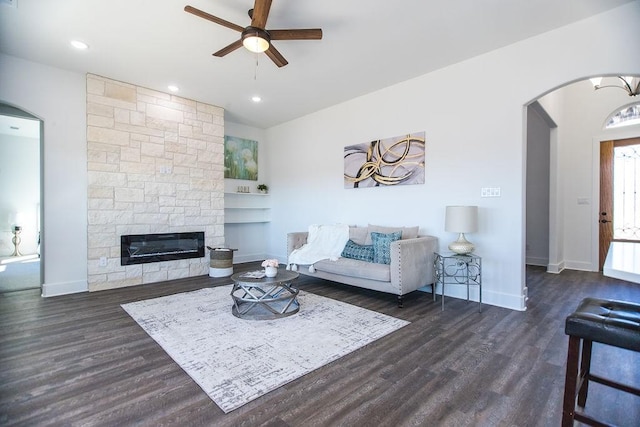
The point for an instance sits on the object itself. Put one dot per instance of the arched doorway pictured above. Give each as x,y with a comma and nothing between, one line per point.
573,188
21,201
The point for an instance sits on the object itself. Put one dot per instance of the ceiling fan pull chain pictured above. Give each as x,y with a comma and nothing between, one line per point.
255,73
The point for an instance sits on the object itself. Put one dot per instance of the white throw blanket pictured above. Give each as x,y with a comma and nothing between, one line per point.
323,242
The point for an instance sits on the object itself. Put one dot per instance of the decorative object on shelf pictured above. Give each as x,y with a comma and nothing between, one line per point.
385,162
270,267
243,189
461,219
263,188
630,84
16,230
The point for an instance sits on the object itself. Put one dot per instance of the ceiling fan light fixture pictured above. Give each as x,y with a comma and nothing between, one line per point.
255,39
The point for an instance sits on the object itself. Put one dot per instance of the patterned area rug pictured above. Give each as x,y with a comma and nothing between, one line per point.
236,360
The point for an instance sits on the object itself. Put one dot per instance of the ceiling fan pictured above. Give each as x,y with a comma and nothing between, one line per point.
256,37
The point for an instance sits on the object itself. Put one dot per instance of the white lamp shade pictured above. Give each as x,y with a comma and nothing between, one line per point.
461,219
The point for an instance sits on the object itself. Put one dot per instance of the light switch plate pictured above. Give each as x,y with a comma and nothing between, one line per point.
490,192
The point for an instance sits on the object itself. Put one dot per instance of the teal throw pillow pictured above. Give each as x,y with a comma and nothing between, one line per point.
355,251
382,246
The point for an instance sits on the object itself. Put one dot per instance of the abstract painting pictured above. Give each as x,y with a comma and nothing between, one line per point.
385,162
240,158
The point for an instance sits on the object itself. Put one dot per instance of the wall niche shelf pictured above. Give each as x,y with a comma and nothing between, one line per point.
243,208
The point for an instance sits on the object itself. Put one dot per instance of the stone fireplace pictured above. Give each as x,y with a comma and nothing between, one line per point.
155,167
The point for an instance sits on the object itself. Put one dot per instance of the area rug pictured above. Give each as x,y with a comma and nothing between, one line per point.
19,273
235,360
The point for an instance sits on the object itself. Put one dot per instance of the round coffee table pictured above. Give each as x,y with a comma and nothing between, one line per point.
266,297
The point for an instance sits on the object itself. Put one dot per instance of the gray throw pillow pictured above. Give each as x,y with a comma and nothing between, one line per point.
407,232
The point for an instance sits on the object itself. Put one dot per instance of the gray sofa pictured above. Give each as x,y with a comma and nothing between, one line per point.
410,267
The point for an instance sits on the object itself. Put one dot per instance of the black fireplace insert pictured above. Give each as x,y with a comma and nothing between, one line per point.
144,248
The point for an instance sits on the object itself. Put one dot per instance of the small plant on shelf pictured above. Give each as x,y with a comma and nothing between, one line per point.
263,188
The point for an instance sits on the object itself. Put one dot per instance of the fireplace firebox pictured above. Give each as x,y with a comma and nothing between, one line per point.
144,248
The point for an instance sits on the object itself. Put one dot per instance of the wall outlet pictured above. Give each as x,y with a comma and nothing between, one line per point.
103,261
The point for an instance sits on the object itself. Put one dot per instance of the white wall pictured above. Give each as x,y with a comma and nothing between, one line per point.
20,184
473,116
537,191
58,98
552,105
249,239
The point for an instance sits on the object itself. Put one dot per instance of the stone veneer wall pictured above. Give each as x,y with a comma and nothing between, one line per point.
155,165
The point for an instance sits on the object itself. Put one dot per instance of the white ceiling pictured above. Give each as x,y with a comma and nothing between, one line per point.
367,44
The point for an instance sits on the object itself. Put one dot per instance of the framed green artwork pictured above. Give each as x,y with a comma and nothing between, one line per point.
240,158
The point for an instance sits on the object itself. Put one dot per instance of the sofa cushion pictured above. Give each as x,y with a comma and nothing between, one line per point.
355,268
358,234
354,251
407,232
382,246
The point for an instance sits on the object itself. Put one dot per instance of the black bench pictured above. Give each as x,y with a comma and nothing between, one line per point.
615,323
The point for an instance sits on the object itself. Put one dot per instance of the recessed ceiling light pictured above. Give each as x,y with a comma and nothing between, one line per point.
80,45
173,88
256,98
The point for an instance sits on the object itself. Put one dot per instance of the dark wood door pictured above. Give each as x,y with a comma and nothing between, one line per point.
606,200
607,195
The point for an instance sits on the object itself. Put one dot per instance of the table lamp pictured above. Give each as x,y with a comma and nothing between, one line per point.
461,219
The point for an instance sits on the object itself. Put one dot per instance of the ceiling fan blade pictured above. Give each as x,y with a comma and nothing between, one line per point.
225,50
208,17
276,56
260,13
300,34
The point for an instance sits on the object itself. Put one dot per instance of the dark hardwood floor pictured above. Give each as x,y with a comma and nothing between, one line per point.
81,360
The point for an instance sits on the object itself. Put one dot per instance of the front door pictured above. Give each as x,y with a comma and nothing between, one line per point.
619,193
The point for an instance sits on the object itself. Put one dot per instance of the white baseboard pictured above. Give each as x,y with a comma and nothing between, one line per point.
64,288
540,262
579,265
555,268
239,259
499,299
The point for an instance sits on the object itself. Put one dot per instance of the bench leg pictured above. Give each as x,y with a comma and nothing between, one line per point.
585,371
571,382
400,302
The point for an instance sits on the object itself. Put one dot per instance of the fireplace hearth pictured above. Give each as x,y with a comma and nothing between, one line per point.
145,248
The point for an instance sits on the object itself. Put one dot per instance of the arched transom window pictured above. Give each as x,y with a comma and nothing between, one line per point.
626,116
